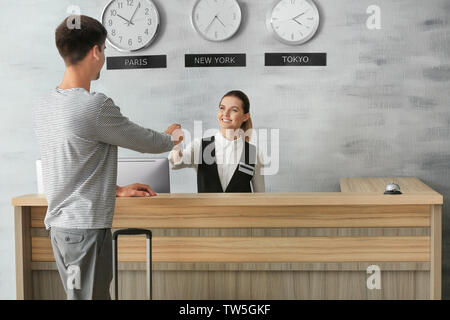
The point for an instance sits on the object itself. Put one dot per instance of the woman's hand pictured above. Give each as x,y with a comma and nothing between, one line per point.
135,190
175,156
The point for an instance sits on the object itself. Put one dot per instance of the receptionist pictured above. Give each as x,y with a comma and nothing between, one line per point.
228,161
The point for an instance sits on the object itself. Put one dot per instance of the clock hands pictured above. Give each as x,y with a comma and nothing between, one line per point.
300,23
128,21
216,16
294,18
209,25
131,19
300,15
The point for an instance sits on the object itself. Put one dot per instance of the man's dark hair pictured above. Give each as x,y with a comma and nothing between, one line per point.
74,43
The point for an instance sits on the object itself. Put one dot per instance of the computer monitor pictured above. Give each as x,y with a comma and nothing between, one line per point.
153,172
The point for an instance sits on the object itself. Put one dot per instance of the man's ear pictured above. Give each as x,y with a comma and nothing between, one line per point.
95,51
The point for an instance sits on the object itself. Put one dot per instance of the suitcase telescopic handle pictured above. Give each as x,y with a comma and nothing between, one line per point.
132,231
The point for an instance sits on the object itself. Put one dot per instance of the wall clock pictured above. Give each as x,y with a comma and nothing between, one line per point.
293,22
216,20
132,25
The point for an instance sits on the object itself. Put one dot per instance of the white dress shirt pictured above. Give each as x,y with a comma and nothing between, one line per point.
228,154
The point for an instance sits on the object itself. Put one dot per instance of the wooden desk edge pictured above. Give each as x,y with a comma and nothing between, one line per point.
261,199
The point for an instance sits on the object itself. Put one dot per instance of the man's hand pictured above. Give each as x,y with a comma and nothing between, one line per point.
175,131
135,190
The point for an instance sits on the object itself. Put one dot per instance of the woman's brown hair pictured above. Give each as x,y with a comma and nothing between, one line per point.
246,125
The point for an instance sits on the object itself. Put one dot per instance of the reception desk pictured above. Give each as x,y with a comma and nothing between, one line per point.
260,246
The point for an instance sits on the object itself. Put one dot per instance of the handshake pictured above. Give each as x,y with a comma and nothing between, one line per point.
175,131
143,190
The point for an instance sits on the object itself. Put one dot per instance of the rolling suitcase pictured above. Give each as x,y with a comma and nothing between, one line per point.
132,231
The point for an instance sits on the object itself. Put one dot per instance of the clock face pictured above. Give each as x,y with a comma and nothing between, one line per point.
131,24
216,20
293,22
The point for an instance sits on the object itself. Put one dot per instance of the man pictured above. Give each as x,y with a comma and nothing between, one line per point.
78,133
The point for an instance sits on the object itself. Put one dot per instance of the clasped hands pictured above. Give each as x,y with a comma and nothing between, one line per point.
143,190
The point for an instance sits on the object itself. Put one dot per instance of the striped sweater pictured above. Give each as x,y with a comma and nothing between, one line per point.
78,133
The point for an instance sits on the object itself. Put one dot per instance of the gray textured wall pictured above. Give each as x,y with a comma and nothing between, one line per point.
380,107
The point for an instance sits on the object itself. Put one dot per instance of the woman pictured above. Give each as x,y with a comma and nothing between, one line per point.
225,162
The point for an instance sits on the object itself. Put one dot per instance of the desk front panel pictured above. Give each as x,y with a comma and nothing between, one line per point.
262,252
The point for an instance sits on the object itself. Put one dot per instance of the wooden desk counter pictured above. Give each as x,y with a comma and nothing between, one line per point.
260,246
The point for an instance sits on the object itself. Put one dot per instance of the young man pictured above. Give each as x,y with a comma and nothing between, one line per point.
78,133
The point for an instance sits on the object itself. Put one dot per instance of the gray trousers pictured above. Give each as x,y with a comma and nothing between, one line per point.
84,260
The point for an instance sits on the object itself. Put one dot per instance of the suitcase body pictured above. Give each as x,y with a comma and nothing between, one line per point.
132,231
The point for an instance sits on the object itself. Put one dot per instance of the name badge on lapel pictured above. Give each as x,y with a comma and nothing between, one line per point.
245,168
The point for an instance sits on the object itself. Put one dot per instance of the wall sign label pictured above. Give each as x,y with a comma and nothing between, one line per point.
215,60
296,59
136,62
